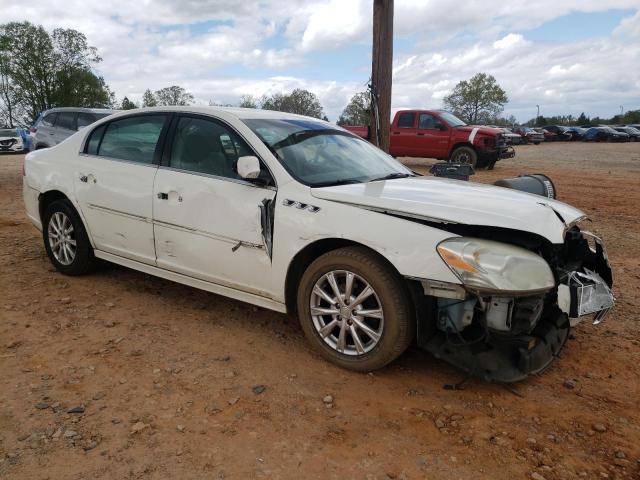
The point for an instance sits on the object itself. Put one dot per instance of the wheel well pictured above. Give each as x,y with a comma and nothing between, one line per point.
47,198
461,144
307,255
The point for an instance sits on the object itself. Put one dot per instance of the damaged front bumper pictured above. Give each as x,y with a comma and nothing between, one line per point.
506,339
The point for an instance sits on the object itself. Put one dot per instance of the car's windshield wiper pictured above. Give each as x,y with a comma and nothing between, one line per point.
391,176
333,183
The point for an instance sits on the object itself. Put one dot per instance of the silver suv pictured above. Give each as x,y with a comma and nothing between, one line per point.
54,125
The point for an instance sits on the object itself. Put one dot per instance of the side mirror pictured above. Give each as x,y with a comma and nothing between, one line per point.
248,167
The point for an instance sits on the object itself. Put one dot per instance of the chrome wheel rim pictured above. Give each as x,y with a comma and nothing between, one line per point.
346,312
463,158
62,239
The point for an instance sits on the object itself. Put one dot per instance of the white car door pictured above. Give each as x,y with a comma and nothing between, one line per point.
114,185
208,222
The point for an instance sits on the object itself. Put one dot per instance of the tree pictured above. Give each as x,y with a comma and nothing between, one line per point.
300,101
476,100
128,104
357,112
583,119
173,95
41,71
248,101
149,99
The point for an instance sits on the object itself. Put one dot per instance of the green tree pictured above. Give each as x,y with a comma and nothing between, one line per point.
173,95
128,104
583,119
301,102
248,101
357,112
43,70
149,99
476,100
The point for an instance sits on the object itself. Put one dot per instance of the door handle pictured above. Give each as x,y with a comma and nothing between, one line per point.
84,178
420,134
163,196
396,133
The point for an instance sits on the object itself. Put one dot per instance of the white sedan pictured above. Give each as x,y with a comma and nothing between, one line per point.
297,215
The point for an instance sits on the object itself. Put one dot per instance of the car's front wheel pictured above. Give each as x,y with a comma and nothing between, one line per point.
466,155
355,309
66,240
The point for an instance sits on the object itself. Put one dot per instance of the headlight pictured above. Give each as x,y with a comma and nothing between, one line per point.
489,266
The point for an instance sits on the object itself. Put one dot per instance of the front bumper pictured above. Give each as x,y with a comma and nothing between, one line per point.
12,148
492,155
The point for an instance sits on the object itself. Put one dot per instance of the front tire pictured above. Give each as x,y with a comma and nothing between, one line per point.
466,155
355,309
66,240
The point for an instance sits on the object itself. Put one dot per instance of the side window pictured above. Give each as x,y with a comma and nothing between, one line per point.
407,120
427,121
85,119
49,119
205,146
66,120
94,140
132,138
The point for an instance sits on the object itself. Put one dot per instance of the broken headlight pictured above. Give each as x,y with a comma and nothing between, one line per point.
488,266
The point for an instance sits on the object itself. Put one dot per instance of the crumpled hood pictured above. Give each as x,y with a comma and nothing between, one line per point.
455,201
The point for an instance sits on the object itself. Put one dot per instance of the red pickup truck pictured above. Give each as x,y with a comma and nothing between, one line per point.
439,134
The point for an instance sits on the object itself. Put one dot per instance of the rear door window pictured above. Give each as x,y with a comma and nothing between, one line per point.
407,120
85,119
49,119
66,120
133,139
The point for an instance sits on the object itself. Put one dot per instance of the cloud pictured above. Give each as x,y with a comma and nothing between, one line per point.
224,48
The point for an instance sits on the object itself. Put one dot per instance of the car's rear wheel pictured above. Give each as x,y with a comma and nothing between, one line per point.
355,309
66,240
465,155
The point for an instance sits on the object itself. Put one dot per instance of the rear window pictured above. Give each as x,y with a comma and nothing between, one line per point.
66,120
407,120
85,119
133,139
49,119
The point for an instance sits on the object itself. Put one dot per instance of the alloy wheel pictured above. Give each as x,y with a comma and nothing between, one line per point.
62,238
346,312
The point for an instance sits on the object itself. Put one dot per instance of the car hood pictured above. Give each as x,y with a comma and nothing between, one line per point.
454,201
9,138
479,129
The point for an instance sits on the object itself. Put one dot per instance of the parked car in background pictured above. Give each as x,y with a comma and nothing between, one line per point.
548,136
634,133
577,133
439,134
510,137
529,135
12,140
562,133
605,134
297,215
57,124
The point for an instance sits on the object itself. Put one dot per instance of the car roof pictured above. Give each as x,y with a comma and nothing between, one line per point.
240,113
81,109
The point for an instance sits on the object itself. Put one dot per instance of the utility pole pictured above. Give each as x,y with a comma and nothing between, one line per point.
381,70
537,115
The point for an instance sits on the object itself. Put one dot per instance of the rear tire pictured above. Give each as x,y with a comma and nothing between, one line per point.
66,240
466,155
361,336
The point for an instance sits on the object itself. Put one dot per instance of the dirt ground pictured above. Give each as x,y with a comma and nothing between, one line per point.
123,375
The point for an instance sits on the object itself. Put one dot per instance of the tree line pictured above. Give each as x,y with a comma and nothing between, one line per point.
41,70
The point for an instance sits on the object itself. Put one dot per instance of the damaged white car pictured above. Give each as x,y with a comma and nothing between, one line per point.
297,215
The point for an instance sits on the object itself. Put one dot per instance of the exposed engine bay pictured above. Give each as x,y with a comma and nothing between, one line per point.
506,338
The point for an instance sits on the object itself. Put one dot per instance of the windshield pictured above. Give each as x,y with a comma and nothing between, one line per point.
451,119
318,155
8,133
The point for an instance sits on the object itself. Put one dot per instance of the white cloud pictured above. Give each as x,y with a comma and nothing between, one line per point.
202,45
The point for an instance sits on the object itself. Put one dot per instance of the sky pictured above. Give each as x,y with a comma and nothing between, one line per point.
566,56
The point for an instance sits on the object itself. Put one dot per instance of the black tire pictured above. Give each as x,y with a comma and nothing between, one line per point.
398,329
536,143
465,155
84,260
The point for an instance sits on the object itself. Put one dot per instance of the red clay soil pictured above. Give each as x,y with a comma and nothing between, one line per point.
122,375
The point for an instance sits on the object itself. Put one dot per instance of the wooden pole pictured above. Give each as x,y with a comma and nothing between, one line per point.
381,70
